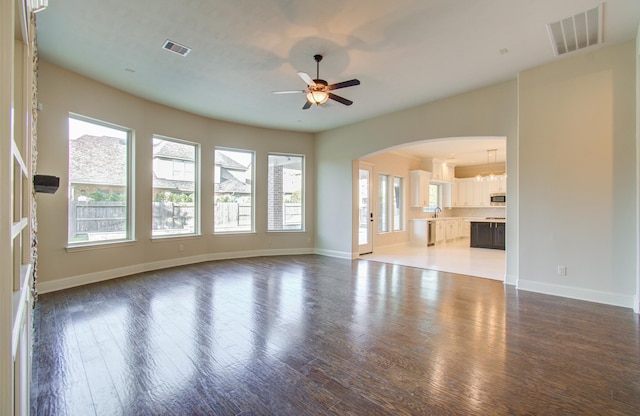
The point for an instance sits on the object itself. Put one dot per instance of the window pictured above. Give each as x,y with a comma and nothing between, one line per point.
285,185
99,182
175,187
435,195
398,204
233,191
383,203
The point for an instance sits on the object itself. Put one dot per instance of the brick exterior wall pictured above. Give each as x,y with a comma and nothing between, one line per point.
275,198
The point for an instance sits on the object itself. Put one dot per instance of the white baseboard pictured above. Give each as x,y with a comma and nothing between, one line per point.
608,298
511,279
84,279
339,254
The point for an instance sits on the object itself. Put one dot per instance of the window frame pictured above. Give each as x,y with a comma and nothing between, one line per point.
252,229
196,186
130,224
302,192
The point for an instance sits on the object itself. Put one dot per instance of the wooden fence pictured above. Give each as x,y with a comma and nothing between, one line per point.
95,217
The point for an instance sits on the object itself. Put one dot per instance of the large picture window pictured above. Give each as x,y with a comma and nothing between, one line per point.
285,185
99,182
233,191
175,187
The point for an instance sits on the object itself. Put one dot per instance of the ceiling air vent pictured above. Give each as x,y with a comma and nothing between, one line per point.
176,48
576,32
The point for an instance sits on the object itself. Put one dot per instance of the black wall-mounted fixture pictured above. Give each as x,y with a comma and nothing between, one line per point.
46,183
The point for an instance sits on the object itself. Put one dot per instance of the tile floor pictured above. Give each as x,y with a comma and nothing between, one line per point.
454,257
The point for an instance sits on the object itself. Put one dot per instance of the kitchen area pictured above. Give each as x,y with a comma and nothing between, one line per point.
456,212
481,199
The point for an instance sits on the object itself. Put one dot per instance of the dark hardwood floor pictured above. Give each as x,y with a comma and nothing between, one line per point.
313,335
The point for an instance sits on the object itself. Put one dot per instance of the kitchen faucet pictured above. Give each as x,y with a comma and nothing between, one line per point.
435,212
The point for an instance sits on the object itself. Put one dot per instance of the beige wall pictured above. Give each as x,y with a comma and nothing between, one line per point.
571,172
577,170
62,92
488,111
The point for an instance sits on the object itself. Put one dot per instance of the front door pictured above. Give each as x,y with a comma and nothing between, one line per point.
365,217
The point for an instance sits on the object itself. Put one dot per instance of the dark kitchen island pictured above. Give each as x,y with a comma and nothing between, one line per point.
488,233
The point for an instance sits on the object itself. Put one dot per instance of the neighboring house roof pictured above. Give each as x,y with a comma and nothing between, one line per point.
102,161
172,185
232,185
172,150
226,162
91,160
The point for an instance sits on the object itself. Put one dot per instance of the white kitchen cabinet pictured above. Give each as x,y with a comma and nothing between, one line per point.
419,186
471,192
502,183
447,195
498,184
462,186
451,229
441,232
454,193
485,193
464,228
442,171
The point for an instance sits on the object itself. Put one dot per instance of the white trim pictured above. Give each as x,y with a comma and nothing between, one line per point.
511,279
608,298
338,254
84,279
636,305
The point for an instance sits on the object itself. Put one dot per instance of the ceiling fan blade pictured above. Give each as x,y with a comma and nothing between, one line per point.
340,99
306,105
306,78
343,84
288,92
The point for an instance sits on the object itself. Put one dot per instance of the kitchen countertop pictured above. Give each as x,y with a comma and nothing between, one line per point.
488,219
469,219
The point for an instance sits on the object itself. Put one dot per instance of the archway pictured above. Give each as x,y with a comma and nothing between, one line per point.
403,221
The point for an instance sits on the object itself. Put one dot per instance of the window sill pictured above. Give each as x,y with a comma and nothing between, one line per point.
161,238
233,233
99,245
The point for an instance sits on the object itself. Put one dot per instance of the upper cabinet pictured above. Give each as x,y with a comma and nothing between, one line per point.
471,192
419,186
442,171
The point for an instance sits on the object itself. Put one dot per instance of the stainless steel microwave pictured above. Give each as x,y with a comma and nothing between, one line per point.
498,199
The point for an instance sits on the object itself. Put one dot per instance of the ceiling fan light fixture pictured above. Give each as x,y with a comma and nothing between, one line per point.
317,97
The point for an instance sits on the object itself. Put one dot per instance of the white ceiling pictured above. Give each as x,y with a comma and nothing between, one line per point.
404,52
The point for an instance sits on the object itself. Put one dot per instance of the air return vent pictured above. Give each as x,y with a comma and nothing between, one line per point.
176,48
576,32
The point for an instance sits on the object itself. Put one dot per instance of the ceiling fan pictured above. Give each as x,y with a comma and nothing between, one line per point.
318,91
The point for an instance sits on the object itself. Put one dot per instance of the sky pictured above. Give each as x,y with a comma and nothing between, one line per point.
78,128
